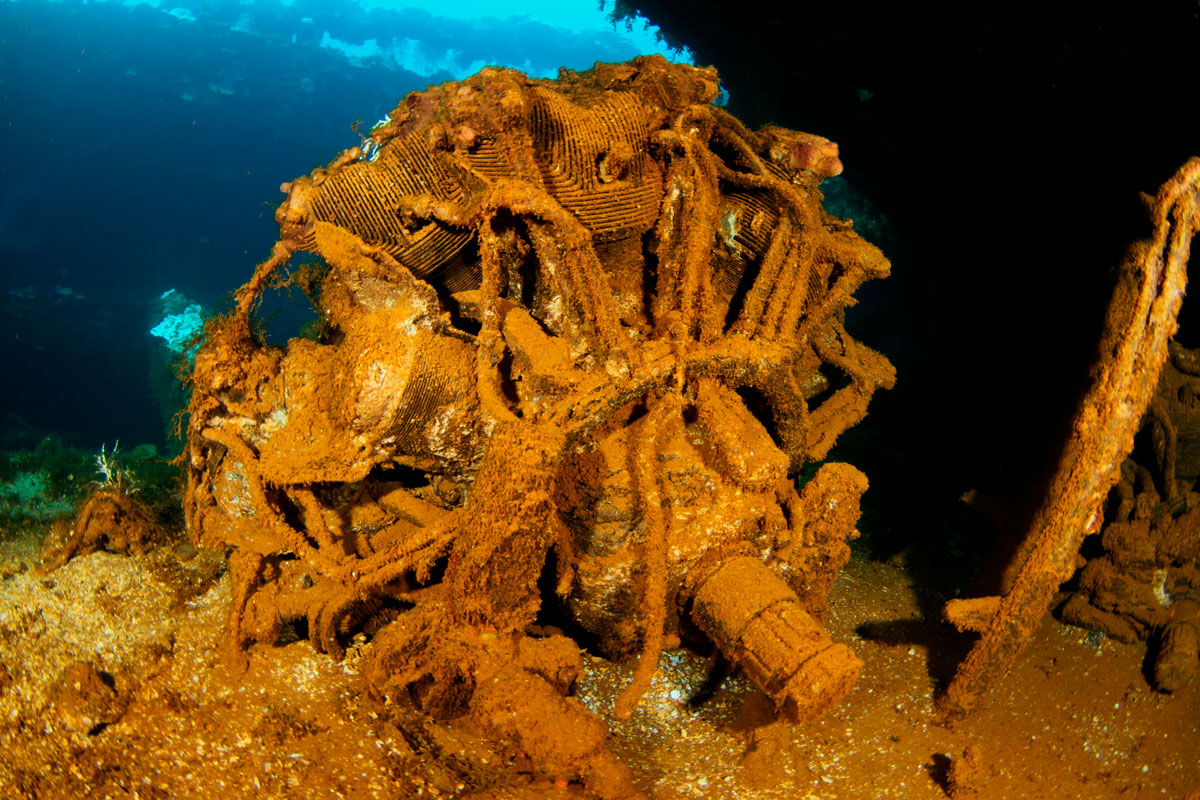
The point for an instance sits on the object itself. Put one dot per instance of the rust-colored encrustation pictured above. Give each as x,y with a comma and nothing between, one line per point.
1140,321
109,518
593,323
1143,581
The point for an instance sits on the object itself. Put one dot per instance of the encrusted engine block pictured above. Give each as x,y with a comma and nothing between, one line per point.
593,324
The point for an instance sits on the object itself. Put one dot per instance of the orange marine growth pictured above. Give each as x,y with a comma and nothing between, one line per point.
592,323
1141,319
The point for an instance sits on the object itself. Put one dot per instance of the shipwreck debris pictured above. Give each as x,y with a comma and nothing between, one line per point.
1145,582
594,322
1141,319
110,518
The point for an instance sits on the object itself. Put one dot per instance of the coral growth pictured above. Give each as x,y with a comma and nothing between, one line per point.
593,323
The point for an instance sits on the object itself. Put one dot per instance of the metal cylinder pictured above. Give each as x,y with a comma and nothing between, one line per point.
1179,653
412,390
757,621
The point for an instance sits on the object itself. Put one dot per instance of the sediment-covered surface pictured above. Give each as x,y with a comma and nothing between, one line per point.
154,712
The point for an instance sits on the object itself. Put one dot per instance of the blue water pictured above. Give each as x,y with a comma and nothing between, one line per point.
141,150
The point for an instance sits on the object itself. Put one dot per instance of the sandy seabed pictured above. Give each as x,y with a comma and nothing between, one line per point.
112,686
